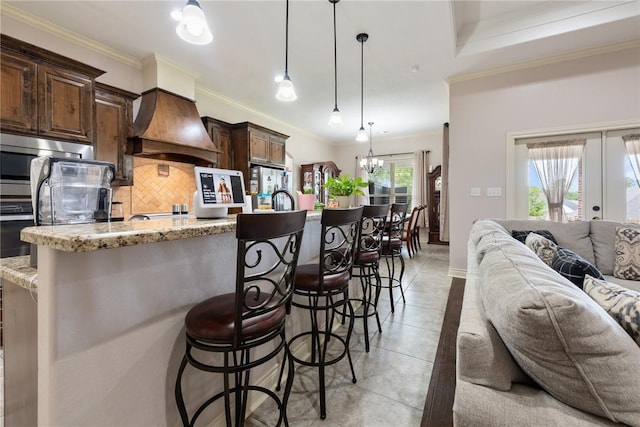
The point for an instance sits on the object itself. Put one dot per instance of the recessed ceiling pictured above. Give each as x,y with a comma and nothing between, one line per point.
413,47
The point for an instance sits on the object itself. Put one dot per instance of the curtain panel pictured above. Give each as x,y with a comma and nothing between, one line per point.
632,147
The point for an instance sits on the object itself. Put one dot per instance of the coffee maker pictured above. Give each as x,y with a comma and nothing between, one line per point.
70,191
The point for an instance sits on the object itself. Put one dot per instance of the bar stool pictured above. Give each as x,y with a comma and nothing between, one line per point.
234,324
392,249
366,264
324,287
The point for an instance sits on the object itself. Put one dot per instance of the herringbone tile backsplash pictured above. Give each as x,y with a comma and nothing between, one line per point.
152,192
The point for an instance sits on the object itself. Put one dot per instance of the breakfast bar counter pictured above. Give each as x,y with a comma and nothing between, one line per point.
106,310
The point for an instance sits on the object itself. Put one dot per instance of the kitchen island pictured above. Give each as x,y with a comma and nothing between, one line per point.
104,316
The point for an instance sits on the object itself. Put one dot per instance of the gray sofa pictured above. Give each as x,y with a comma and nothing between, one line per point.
519,315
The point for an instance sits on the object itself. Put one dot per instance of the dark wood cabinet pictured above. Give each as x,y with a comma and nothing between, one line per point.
314,175
19,94
254,144
114,124
46,94
220,134
435,185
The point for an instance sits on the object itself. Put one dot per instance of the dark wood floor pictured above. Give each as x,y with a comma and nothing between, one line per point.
438,408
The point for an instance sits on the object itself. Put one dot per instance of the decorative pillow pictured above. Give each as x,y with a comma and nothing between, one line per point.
541,246
521,235
621,303
574,267
627,263
560,337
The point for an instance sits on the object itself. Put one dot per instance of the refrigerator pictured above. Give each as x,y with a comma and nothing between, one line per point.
265,180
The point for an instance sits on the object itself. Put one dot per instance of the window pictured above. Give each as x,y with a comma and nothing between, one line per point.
394,182
603,187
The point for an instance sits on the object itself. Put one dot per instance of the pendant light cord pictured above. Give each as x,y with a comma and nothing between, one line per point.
335,58
286,43
361,83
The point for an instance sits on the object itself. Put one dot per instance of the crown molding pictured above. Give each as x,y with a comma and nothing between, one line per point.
215,95
41,24
545,61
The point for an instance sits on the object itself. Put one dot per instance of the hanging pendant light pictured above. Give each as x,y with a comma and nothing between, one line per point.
193,27
336,118
371,164
286,92
362,134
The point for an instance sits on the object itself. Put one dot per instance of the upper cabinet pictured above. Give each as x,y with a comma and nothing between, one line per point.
114,124
220,134
253,144
46,94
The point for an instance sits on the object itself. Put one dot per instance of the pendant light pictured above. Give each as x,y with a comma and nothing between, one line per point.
193,27
336,118
371,164
286,92
362,134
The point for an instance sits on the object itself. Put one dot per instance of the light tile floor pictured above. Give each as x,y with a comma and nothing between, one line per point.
393,378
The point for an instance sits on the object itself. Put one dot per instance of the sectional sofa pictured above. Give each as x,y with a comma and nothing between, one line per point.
533,348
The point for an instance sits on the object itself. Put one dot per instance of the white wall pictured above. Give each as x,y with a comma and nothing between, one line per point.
595,89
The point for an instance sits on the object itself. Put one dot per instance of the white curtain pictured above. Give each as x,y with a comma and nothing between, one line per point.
362,200
632,146
420,168
556,162
444,191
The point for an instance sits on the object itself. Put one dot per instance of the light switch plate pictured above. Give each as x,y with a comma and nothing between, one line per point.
494,191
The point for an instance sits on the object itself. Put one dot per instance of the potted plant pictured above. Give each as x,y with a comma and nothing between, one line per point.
343,188
306,199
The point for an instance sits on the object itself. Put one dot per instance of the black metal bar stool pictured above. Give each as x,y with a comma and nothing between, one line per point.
392,249
324,287
366,264
234,324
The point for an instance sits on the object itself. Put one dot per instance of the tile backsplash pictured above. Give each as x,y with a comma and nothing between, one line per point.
157,185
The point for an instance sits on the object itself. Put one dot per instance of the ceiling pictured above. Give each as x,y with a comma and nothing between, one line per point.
413,48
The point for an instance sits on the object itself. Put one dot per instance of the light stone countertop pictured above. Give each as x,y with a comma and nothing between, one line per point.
18,271
96,236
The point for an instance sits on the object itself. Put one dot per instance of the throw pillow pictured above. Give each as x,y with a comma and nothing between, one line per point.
560,337
541,246
573,266
627,262
621,303
521,235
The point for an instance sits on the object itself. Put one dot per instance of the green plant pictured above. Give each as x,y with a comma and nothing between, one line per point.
344,185
307,190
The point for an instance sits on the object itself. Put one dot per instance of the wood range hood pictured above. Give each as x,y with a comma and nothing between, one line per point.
168,127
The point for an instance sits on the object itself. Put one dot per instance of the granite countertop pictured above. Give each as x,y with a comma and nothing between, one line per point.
105,235
17,270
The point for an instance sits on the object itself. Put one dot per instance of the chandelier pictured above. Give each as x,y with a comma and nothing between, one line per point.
371,164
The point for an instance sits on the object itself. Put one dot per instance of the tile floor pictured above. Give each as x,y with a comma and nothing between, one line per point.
393,378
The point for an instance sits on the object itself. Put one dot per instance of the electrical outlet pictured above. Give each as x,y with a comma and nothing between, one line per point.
475,192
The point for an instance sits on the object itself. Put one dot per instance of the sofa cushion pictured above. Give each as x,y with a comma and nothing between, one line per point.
627,251
559,336
572,266
521,235
621,304
541,246
571,235
603,238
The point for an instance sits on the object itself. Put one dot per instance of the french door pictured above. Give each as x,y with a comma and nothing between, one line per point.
603,187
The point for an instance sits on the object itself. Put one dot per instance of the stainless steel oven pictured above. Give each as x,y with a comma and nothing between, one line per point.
16,212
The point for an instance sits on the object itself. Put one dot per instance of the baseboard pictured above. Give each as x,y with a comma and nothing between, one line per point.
457,272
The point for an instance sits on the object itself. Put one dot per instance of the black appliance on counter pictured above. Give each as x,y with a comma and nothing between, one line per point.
16,211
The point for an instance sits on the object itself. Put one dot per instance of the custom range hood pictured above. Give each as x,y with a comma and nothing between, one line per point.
168,127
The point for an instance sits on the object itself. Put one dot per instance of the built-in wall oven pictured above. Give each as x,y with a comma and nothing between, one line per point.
16,211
